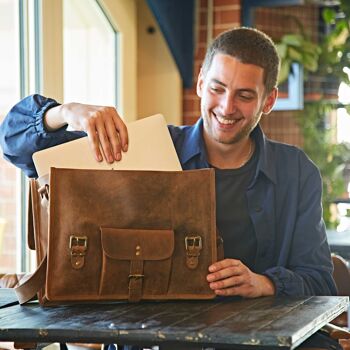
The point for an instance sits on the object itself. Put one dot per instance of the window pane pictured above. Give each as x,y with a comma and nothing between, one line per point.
343,123
10,94
89,54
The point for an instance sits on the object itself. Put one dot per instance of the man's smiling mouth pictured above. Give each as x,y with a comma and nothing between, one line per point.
226,121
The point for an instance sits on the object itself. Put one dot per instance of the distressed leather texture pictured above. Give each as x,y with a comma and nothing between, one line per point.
123,235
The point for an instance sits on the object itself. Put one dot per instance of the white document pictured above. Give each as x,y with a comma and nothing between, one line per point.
150,148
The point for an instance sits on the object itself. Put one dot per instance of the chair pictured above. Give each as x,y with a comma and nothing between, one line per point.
11,280
341,275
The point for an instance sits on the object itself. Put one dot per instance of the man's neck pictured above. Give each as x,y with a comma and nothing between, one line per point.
228,156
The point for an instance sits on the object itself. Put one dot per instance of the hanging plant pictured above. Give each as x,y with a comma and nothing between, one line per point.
296,48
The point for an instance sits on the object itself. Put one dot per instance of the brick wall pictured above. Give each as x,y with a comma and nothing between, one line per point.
279,125
226,14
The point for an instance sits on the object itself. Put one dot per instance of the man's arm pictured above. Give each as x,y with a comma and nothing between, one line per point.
106,131
304,265
301,263
37,122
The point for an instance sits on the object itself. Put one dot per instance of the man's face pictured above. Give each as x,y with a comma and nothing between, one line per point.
233,99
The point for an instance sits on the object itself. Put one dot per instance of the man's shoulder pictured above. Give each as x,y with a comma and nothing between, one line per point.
180,131
285,149
289,156
185,135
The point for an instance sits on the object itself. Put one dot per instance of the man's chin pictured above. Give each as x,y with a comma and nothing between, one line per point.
227,140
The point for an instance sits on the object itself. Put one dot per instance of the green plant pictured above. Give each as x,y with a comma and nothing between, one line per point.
335,48
330,157
296,48
328,57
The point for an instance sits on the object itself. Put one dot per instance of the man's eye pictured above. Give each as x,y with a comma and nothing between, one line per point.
215,89
246,97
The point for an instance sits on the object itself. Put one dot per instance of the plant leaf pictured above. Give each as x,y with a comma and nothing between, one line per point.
329,15
295,55
292,39
284,71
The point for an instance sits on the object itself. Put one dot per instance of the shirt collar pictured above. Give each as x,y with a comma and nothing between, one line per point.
193,146
266,162
193,143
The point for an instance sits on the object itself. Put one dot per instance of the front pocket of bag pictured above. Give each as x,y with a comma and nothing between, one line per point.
150,251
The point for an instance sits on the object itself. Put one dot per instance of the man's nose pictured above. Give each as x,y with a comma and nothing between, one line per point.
228,105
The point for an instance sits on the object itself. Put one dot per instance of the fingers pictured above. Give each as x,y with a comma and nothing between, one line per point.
227,282
230,277
94,143
224,268
106,131
123,131
219,265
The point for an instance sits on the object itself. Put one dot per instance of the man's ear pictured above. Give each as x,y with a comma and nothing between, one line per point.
200,83
270,101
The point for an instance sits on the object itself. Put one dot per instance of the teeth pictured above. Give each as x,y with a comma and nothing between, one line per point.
225,121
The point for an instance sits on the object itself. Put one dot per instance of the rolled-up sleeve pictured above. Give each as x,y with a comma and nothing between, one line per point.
23,133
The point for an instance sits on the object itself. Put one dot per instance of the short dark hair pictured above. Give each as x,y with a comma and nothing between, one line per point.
248,45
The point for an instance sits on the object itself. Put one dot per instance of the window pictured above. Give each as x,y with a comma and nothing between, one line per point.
89,45
343,118
9,175
19,71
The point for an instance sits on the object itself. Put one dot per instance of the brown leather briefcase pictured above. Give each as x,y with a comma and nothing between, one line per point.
104,235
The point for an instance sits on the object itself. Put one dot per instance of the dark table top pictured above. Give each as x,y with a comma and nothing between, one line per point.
266,323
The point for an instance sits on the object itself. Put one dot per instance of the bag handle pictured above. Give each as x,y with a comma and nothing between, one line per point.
28,290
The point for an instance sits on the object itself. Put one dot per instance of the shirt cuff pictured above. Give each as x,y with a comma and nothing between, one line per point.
39,120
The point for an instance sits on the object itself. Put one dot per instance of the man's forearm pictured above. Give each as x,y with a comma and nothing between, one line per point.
54,118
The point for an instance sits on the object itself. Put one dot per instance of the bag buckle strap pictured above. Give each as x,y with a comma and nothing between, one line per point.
135,280
193,246
78,247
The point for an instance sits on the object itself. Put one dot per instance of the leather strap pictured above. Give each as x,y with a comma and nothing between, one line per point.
28,290
135,280
30,227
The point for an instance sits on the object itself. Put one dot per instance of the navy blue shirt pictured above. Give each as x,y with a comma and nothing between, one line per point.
284,198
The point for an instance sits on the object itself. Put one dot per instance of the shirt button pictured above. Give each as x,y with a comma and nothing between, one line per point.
258,209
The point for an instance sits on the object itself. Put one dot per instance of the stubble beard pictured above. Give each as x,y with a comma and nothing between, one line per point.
240,135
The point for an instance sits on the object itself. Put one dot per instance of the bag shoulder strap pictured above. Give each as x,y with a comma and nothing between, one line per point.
30,225
28,290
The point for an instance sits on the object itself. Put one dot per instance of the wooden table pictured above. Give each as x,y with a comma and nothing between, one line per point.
265,323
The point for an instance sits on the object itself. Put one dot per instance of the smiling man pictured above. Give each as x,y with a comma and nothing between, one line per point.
268,194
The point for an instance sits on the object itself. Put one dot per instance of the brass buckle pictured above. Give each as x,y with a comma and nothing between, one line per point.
137,276
193,246
78,245
193,243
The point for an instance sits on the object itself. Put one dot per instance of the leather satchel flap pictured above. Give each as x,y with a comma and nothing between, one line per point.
132,244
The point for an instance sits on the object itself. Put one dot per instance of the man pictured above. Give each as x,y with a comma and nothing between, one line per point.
268,194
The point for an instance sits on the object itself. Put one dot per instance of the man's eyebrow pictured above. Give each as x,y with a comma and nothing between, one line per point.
244,90
250,91
218,82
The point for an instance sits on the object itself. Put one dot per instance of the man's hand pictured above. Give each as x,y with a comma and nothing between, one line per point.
231,277
105,129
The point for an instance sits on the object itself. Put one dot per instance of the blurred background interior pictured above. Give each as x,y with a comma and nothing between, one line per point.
143,56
